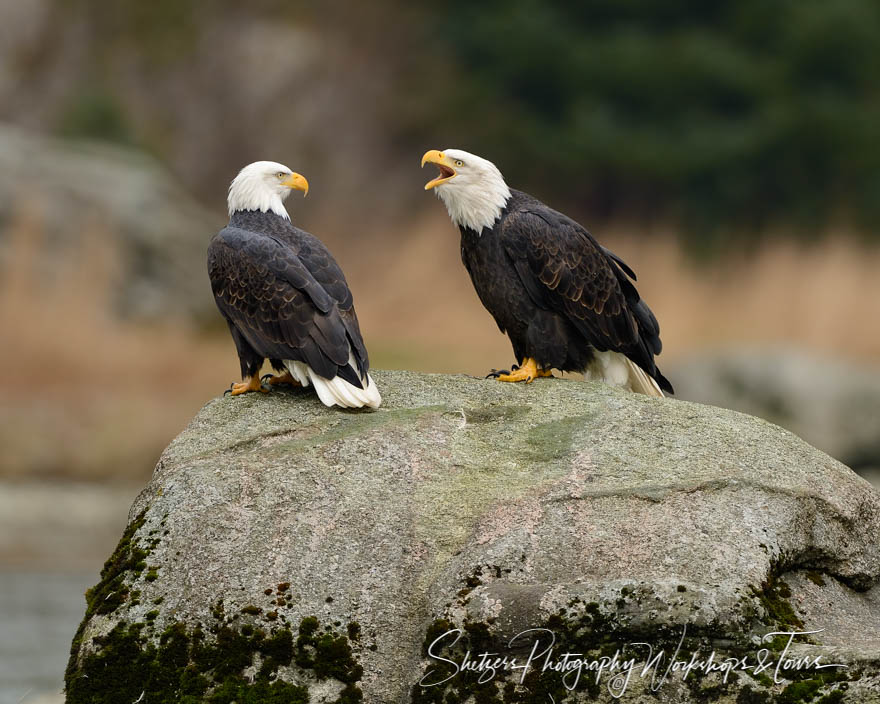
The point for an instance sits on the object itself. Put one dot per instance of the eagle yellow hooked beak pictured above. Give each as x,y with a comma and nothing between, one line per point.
442,162
297,182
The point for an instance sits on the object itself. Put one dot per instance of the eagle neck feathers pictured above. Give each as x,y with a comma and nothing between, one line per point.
251,194
476,208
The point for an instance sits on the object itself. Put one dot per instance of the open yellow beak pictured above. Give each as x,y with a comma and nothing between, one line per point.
443,162
297,182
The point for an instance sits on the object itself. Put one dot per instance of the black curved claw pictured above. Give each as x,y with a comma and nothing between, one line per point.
229,390
495,373
265,376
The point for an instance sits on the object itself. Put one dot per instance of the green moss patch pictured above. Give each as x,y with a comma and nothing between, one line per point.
128,560
208,664
813,688
816,578
774,596
184,666
328,654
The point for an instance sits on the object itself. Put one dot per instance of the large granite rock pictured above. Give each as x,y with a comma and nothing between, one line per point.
284,551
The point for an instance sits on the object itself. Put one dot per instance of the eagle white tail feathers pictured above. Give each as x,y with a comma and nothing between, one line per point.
640,382
337,391
619,370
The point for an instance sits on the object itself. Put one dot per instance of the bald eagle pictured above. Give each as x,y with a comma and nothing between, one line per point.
283,295
565,301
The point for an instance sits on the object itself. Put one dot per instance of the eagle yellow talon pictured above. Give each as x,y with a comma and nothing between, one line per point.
249,384
527,372
276,379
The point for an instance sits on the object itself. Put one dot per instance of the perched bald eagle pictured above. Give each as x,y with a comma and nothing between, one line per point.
565,301
283,295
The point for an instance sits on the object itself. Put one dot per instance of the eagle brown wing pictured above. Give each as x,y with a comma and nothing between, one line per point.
565,270
287,303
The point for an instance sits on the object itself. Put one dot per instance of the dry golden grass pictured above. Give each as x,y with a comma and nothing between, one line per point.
87,395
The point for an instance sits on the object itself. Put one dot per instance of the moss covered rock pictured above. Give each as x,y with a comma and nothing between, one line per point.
287,552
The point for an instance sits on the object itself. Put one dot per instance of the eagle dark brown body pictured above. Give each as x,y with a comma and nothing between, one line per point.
284,298
557,293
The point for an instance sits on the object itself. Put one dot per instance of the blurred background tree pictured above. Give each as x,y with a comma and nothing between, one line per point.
726,116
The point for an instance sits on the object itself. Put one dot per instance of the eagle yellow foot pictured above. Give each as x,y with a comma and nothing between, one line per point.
276,379
527,372
250,384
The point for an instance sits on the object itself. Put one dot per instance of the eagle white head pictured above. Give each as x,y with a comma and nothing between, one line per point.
263,186
472,188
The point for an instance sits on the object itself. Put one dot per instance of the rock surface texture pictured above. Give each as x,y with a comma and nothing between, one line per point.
287,552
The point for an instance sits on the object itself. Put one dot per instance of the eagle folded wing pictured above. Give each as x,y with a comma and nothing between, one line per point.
566,271
268,292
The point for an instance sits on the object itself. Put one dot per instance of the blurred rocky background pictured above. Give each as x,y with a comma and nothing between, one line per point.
729,152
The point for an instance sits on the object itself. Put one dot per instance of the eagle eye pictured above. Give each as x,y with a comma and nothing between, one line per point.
280,174
459,162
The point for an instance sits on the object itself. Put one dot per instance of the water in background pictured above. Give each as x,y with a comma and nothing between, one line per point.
40,613
54,538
